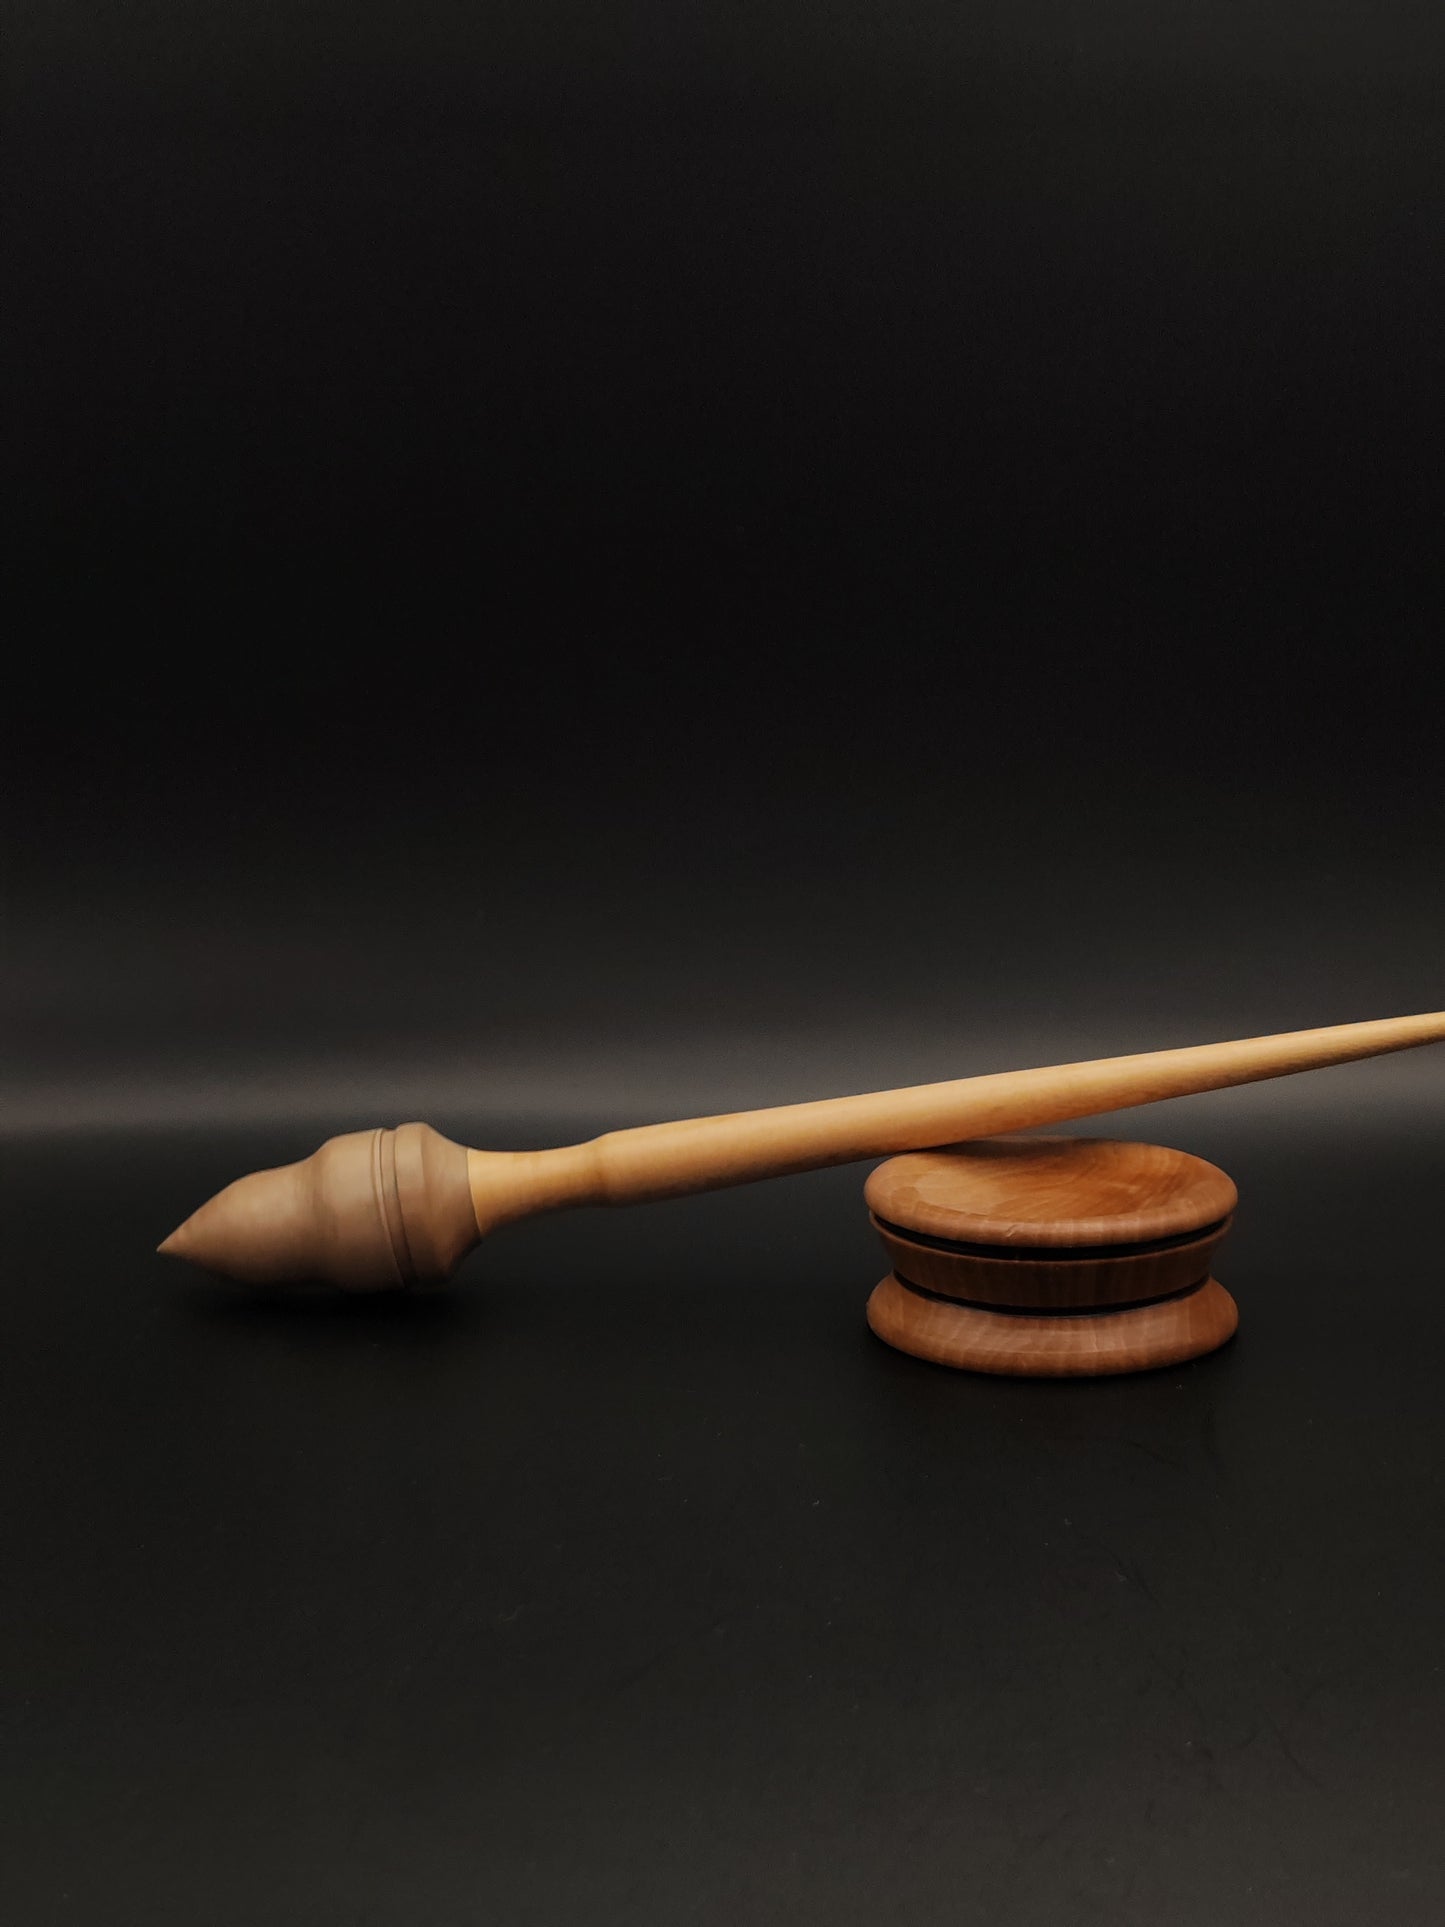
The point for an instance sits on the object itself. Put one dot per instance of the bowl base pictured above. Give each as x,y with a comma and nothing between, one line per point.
1083,1344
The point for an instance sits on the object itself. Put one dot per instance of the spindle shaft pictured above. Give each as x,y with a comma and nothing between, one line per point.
709,1153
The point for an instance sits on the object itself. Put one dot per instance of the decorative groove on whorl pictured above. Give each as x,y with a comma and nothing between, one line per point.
434,1200
390,1201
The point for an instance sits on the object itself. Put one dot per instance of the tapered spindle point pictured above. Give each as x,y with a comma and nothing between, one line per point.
369,1211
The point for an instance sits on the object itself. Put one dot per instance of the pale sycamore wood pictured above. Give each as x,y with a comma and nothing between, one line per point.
710,1153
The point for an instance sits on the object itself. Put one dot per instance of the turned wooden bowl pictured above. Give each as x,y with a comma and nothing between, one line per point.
1052,1256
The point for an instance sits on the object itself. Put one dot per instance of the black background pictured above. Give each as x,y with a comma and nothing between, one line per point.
572,565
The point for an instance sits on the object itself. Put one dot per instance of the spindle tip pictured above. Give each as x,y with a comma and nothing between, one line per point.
369,1211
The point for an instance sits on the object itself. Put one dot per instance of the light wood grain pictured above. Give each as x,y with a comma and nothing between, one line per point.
709,1153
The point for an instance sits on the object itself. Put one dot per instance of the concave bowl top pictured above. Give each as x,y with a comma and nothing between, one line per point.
1072,1192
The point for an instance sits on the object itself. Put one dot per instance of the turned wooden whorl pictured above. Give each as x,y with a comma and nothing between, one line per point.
1052,1255
369,1211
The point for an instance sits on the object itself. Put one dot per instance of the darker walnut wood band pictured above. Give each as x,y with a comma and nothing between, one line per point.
1053,1254
1103,1310
1058,1278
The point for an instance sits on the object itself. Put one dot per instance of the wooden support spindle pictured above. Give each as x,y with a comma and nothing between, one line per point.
377,1209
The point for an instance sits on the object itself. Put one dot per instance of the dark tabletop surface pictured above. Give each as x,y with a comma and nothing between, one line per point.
633,1580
